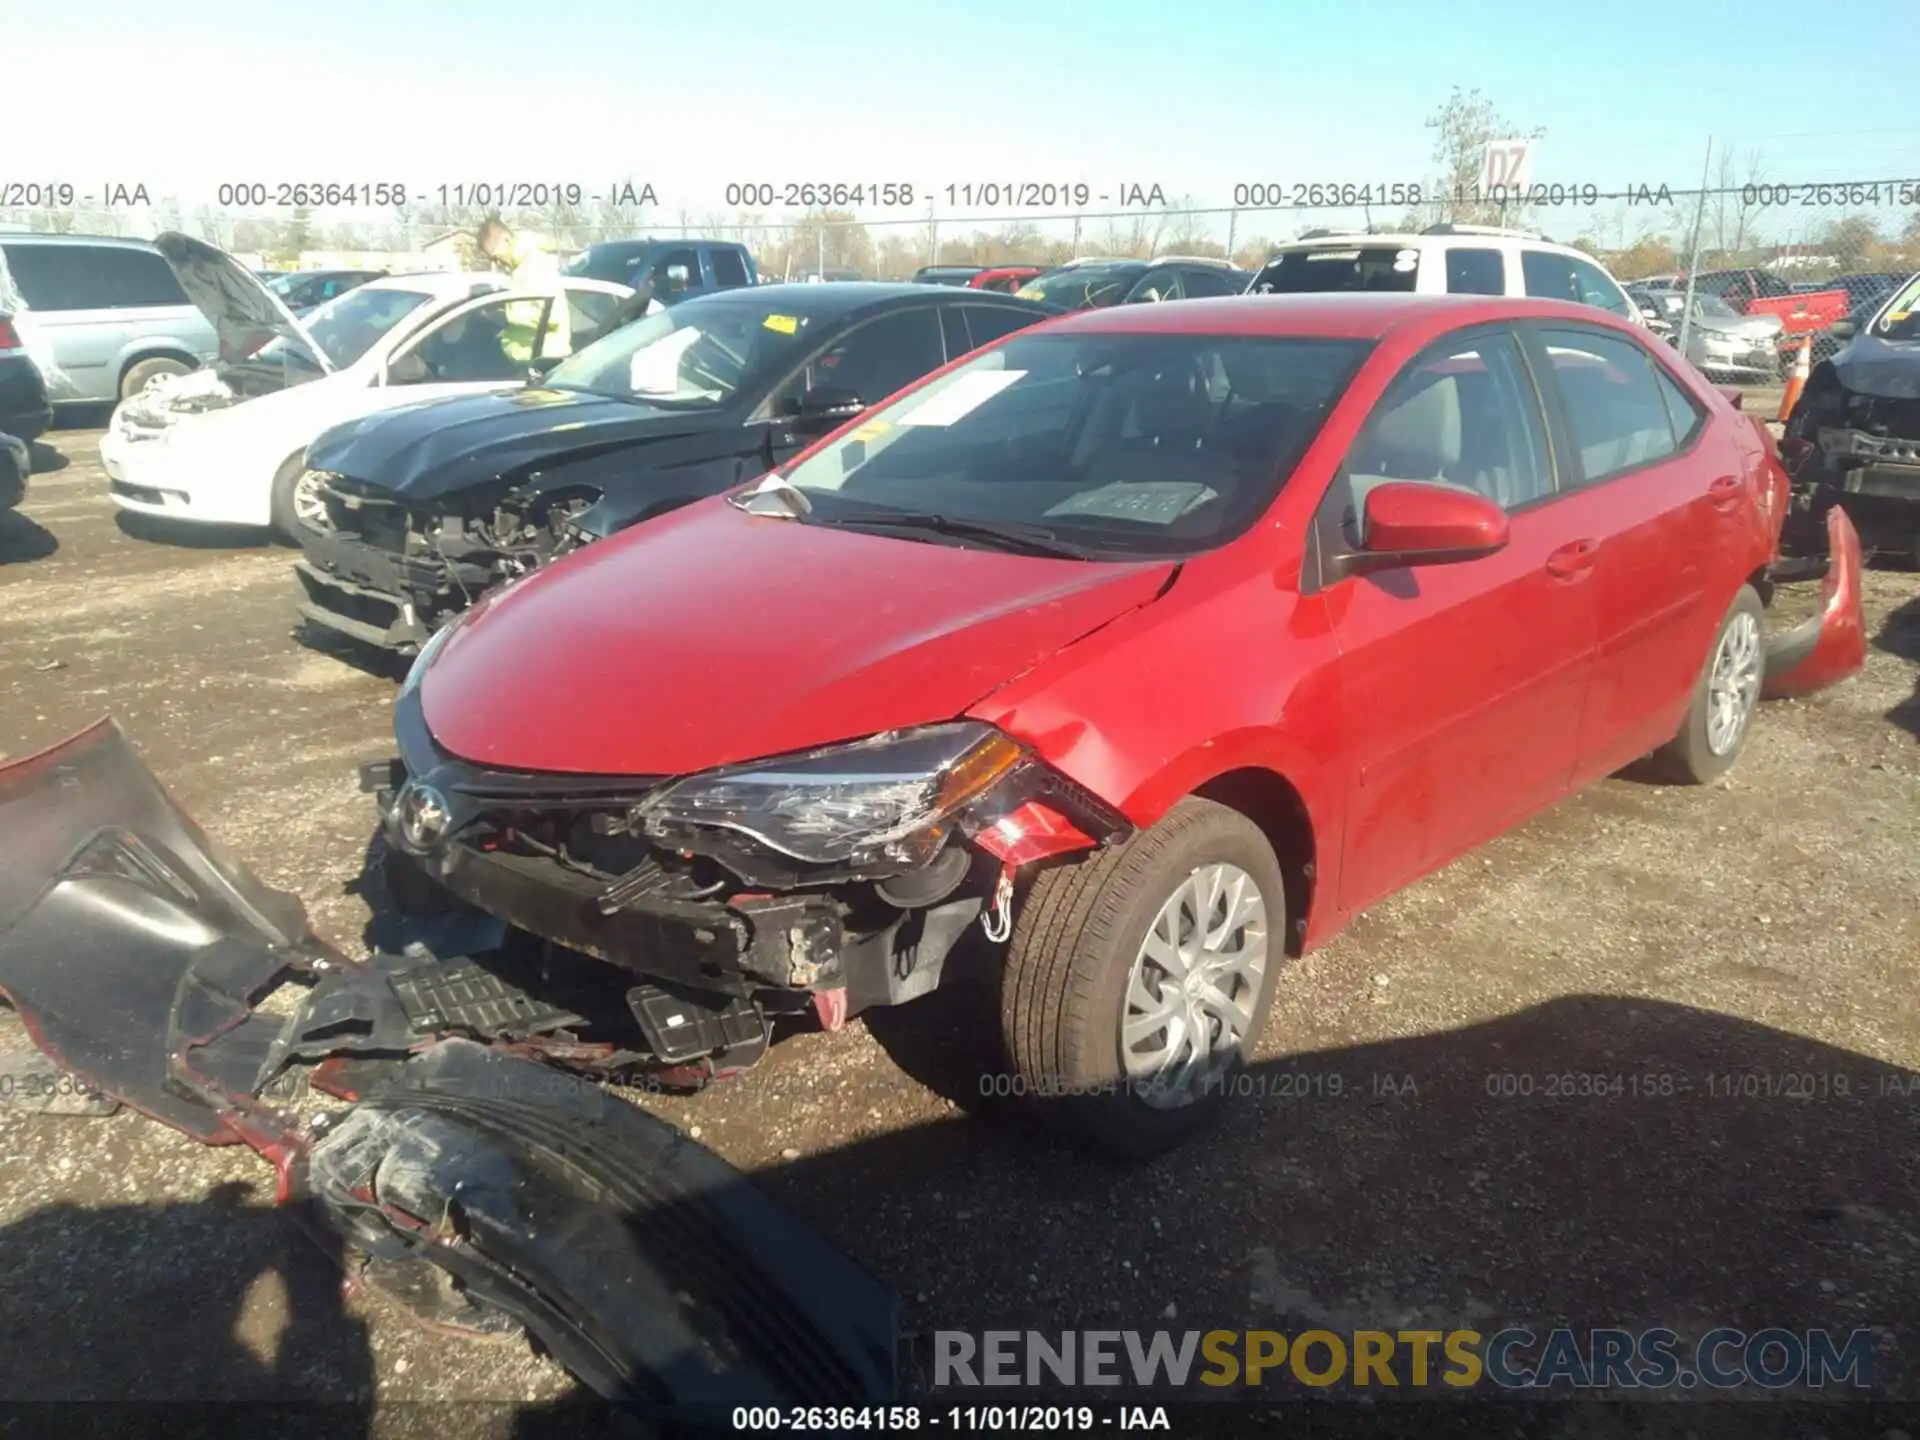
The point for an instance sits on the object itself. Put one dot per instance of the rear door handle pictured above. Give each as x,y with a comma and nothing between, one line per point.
1725,492
1572,561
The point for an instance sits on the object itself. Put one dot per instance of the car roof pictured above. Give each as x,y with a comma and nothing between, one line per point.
671,243
1330,315
846,297
436,280
44,237
1407,240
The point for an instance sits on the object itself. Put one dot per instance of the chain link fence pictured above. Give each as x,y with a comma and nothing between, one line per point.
1801,231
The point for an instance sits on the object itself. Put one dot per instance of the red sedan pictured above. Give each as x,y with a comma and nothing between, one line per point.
1151,643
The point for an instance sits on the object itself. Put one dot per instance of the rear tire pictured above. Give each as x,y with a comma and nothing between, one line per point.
139,373
1085,965
1720,716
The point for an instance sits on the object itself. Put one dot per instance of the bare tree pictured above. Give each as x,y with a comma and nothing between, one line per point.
1462,129
1731,206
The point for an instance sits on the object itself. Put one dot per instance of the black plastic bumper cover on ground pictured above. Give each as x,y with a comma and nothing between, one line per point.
140,956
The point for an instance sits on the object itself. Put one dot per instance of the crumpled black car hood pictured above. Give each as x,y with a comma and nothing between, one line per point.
1885,369
442,447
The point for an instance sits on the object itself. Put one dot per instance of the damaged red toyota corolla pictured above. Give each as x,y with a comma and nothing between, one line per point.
1137,652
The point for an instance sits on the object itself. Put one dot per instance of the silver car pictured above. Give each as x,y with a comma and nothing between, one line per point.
102,315
1721,342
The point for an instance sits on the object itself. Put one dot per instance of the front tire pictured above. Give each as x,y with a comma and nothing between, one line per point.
138,374
1720,717
1137,980
297,509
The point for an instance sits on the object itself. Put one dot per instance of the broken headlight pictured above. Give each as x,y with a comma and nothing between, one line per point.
886,801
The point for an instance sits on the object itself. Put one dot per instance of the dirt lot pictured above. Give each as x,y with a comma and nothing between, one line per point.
1403,1165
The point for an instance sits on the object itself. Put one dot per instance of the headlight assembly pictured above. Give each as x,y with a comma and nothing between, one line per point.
884,802
425,658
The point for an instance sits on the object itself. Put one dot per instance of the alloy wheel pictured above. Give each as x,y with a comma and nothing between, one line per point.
309,507
1194,984
1733,687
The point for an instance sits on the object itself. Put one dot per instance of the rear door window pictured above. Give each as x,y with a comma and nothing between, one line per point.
729,270
92,277
1204,280
677,271
1476,271
1335,266
989,322
1612,400
1548,276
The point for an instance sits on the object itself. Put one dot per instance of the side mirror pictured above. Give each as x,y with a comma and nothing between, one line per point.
825,406
1843,329
408,369
1407,523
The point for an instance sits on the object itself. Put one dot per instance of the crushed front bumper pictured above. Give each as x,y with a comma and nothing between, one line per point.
148,963
391,598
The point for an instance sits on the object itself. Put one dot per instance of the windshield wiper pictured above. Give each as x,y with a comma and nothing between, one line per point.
1006,534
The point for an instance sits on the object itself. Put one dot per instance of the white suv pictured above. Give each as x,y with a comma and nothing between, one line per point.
1443,260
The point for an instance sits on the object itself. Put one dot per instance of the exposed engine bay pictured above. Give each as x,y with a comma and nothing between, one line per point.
1853,439
392,577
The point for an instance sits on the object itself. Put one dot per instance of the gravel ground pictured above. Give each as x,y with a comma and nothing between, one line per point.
1398,1161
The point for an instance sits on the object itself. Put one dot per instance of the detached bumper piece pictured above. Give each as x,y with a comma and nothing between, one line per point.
146,961
1831,645
649,1267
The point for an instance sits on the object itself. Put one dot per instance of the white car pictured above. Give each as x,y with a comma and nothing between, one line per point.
1443,260
226,445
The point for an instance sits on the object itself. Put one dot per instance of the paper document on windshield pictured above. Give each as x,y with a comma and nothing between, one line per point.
962,396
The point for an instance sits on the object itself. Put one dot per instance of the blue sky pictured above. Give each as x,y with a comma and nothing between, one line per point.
690,96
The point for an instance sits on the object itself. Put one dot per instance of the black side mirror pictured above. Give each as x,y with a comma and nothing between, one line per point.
825,406
1843,329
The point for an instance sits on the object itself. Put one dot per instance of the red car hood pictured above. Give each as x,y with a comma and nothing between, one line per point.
710,636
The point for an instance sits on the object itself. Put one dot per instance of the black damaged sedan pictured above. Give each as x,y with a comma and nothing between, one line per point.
1853,440
432,505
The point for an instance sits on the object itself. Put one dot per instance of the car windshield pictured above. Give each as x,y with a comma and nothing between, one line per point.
699,355
1713,305
1122,445
1901,319
347,326
1084,287
1338,267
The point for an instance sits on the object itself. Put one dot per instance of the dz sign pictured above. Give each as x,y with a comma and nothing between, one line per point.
1508,167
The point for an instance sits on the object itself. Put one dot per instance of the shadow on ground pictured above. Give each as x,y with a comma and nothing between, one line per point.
158,530
381,664
23,541
1900,637
163,1316
47,460
1588,1162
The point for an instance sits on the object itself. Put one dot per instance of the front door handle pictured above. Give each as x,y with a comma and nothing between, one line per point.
1572,561
1725,492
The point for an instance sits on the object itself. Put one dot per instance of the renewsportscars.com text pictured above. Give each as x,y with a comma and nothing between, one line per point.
1511,1359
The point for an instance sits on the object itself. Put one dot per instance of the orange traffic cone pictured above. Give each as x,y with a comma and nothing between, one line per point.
1797,381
